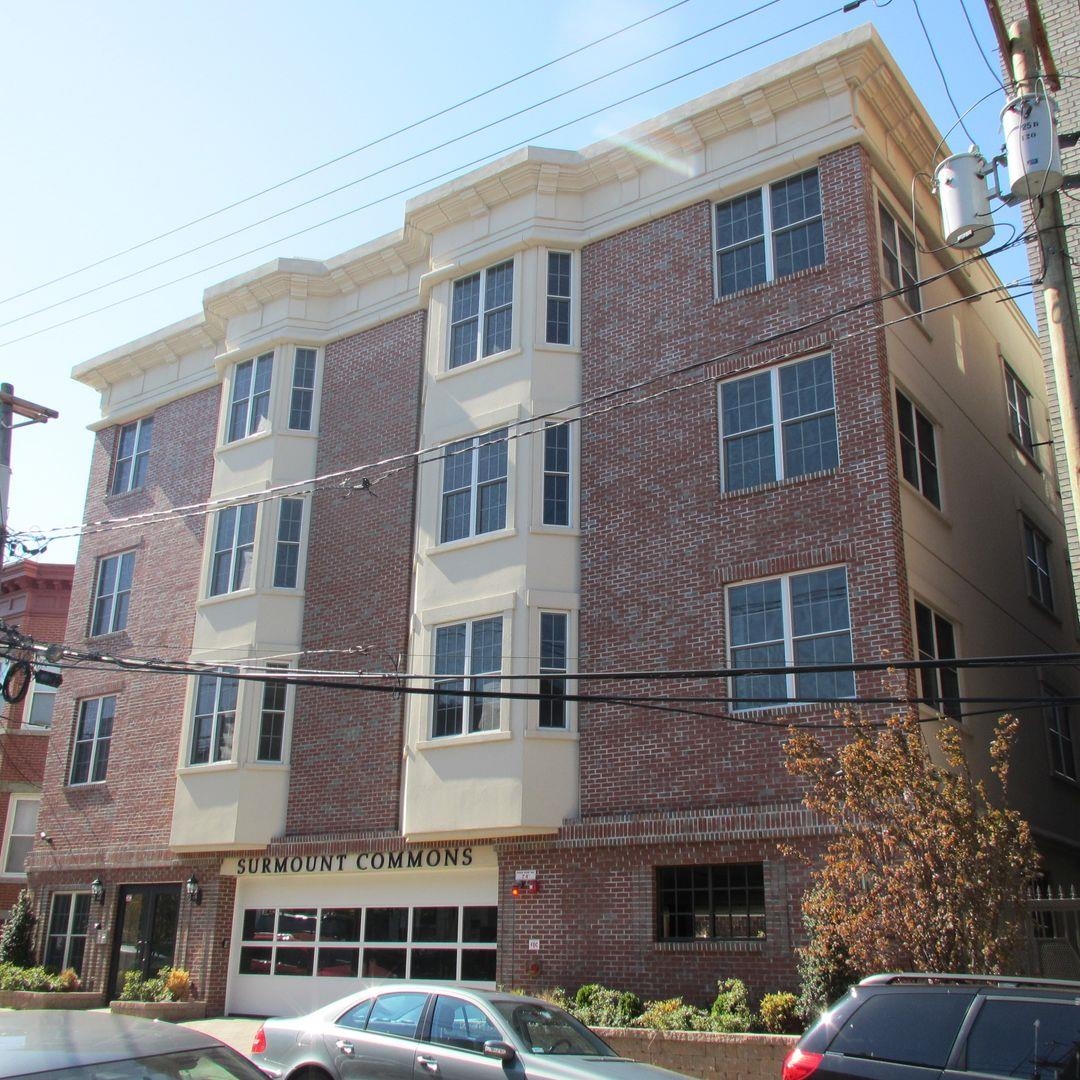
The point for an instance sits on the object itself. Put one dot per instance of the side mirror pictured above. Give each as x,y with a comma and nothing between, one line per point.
501,1050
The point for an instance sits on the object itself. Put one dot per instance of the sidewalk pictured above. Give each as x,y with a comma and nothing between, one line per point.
234,1031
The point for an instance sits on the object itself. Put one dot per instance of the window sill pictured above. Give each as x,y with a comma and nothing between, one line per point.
776,485
244,440
566,347
540,529
1062,778
119,496
35,729
470,541
1027,455
564,734
473,738
209,767
924,501
712,945
810,271
221,598
479,362
916,318
1049,612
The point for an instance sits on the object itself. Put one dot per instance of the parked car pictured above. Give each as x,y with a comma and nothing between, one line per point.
70,1045
920,1026
445,1032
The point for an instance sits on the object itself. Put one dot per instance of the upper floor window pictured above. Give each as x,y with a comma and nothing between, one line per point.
468,657
481,314
936,640
918,449
778,424
725,901
214,720
287,548
1037,561
69,922
556,474
1019,412
19,832
38,710
250,404
302,398
132,455
898,259
474,486
112,593
769,233
1059,735
558,297
93,737
801,619
554,626
234,549
272,715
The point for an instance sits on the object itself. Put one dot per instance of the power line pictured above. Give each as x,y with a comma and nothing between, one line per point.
941,72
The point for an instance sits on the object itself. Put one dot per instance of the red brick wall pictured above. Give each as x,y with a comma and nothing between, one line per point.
660,538
346,748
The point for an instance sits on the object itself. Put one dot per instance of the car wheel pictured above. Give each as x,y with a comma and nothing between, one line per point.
309,1072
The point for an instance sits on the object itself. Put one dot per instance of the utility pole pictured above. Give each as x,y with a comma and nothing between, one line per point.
10,407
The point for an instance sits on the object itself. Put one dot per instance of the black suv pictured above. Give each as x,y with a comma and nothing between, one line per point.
921,1026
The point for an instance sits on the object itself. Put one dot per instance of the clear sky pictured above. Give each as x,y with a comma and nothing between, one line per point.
124,119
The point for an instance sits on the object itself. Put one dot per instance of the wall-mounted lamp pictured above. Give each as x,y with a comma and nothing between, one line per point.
97,890
193,891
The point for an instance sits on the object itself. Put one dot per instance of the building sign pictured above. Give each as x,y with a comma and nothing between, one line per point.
350,862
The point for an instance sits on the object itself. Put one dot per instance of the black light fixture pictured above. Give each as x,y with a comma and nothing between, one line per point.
193,891
97,890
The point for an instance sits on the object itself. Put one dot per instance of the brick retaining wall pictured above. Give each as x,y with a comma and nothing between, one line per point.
706,1055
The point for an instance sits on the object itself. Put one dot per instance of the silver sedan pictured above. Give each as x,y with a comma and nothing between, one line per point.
424,1031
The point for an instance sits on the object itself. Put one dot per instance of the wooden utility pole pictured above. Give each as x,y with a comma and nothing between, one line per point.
10,407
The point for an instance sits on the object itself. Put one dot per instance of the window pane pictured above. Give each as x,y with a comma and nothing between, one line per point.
340,924
384,964
338,963
434,964
435,924
480,924
387,924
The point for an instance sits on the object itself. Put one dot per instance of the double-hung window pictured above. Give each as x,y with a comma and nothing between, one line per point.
272,716
769,233
69,920
481,314
132,455
1019,400
234,549
468,657
250,404
935,638
214,720
41,700
287,548
20,830
898,259
554,627
93,737
302,398
1059,735
799,620
559,283
1037,562
556,474
112,593
474,486
918,449
725,902
778,424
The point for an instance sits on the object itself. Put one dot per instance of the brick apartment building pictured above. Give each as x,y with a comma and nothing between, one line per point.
34,599
644,407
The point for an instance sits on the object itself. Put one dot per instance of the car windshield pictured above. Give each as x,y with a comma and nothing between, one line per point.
544,1029
206,1063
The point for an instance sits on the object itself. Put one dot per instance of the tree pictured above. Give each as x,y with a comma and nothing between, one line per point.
926,871
17,937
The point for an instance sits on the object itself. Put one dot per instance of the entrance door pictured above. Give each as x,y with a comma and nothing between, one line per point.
145,931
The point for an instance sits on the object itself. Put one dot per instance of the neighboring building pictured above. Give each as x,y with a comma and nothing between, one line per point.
34,600
636,408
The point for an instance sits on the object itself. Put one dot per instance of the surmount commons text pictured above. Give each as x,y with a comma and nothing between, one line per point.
417,859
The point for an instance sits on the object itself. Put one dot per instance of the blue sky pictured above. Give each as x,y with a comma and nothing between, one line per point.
126,119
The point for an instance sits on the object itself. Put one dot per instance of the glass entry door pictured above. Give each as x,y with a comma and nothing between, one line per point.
145,931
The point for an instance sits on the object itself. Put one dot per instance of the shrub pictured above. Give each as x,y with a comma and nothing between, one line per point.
16,977
779,1014
673,1015
178,984
170,984
731,1009
17,936
597,1006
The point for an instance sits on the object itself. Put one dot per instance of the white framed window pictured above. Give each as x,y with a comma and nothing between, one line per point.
935,638
1037,564
132,455
898,258
302,395
794,620
249,405
232,562
288,543
557,470
69,920
918,449
468,657
112,593
1059,736
474,486
769,233
554,658
19,832
481,314
40,701
214,720
778,424
93,738
1019,400
558,326
273,715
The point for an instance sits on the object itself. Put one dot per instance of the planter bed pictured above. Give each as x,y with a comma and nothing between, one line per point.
175,1011
51,999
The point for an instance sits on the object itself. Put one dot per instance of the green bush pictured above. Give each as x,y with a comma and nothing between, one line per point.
597,1006
17,936
673,1014
170,984
17,977
779,1014
731,1009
